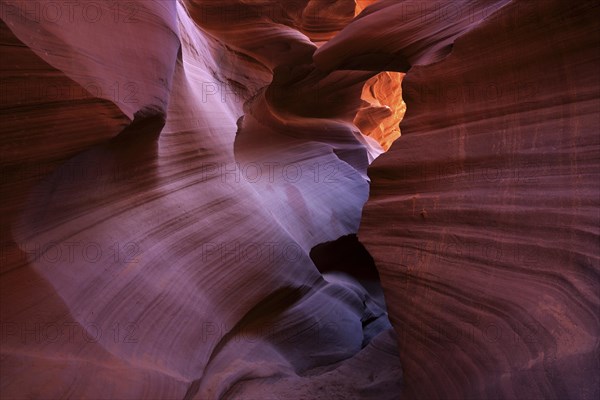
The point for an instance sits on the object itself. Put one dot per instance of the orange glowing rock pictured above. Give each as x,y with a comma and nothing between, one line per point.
383,108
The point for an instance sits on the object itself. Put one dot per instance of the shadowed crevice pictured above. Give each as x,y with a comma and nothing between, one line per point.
346,254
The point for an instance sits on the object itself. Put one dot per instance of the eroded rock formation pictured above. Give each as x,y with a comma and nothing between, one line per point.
483,217
167,167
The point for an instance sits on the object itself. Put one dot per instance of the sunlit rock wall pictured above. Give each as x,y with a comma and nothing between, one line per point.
160,199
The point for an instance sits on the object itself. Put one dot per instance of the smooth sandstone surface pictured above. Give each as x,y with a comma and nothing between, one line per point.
483,217
168,166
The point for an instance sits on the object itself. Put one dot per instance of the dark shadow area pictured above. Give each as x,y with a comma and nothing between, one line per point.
346,254
347,260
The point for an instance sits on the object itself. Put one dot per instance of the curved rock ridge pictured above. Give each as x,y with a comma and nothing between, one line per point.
483,217
157,247
415,33
181,182
104,69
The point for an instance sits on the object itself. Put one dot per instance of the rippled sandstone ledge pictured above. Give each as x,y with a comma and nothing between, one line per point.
167,166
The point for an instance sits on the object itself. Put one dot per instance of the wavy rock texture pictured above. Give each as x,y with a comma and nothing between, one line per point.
148,251
483,218
167,167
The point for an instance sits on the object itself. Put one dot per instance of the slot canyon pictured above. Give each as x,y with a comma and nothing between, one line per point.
297,200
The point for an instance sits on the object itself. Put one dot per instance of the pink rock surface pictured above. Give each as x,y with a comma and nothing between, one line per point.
167,167
154,255
483,217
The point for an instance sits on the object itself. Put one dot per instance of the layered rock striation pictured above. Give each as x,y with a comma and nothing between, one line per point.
169,169
483,218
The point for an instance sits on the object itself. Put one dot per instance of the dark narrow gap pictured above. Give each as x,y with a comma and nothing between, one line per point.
346,259
346,254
